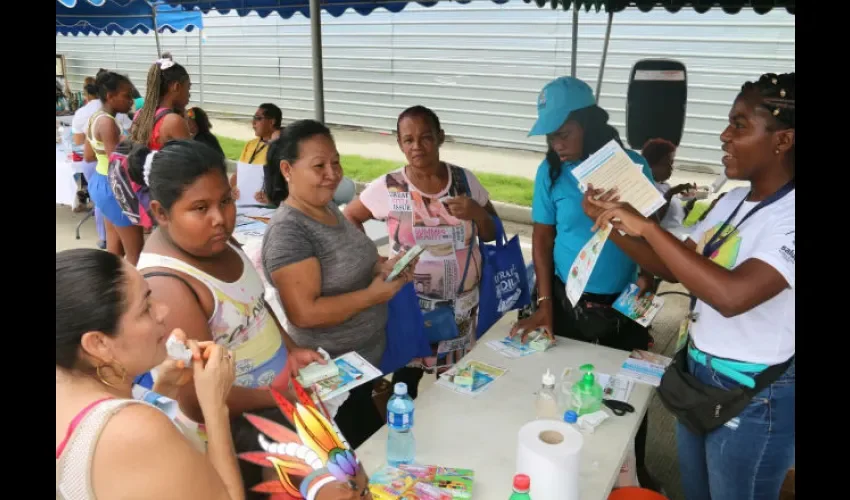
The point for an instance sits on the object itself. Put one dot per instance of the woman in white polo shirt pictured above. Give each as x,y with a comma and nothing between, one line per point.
736,443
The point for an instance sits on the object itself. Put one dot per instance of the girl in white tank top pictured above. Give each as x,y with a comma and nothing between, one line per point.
240,320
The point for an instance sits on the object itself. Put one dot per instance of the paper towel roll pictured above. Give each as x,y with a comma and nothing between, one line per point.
548,452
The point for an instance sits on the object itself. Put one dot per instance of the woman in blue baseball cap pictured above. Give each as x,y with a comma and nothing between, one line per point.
575,128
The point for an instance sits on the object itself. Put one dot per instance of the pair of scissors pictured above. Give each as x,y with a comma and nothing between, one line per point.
619,408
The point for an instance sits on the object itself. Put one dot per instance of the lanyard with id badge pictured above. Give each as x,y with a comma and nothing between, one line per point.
717,240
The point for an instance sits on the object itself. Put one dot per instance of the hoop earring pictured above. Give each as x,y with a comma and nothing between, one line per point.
103,378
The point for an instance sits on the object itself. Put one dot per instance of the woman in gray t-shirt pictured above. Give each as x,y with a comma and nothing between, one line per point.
328,273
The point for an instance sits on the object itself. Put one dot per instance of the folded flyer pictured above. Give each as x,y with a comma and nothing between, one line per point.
354,371
611,167
484,376
641,310
645,367
511,347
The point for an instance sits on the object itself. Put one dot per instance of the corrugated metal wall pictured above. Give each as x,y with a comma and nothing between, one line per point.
480,66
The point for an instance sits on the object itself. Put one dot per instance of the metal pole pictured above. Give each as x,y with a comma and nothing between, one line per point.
318,78
604,56
574,56
201,63
155,30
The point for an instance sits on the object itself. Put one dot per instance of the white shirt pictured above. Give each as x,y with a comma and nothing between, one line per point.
675,215
81,117
766,333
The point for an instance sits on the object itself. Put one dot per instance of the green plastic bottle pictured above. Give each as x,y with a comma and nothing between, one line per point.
522,483
587,393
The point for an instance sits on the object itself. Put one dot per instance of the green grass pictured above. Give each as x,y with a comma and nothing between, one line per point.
232,147
504,188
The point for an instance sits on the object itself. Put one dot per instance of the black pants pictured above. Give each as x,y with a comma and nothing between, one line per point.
607,328
358,418
411,377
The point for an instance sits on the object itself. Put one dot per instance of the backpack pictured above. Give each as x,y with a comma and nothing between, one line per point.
132,197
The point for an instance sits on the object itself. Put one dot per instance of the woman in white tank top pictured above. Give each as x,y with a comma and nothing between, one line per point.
106,442
214,292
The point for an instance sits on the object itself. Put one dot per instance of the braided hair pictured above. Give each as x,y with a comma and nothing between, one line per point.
157,87
777,96
777,93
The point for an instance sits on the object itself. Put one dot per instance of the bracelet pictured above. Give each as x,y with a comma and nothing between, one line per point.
305,483
541,299
314,490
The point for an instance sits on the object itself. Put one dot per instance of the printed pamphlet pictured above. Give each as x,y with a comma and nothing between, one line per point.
511,347
390,483
484,376
645,367
457,482
641,310
354,371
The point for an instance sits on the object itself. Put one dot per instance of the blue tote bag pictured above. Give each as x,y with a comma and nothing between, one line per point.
504,281
406,337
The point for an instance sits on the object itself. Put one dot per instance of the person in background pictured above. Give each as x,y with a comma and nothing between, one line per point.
576,127
199,128
214,292
161,119
423,184
660,153
84,169
108,330
103,134
267,122
327,273
739,264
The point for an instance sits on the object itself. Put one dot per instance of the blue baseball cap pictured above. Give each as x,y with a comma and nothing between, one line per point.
557,100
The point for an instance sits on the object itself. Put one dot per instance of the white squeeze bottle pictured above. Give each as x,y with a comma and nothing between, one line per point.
546,406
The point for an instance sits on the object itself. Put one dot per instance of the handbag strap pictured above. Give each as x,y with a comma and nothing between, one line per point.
459,179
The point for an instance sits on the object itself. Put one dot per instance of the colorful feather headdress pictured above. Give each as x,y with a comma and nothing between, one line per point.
316,454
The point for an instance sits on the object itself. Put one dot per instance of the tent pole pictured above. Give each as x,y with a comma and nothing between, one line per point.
201,62
604,56
316,41
574,55
155,30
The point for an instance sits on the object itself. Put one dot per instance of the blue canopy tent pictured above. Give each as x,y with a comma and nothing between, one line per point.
311,9
74,17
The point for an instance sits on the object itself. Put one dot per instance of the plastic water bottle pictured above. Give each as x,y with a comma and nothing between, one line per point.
522,483
401,445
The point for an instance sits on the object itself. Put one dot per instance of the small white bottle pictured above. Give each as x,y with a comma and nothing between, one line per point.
546,405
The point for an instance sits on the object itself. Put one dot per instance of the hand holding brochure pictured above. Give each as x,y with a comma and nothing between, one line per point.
354,371
610,168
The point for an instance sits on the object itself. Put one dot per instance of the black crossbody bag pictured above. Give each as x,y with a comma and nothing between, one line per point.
700,407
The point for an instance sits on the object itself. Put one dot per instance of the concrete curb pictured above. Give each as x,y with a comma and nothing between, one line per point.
507,211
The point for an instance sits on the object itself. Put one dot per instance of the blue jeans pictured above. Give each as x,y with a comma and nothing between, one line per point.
749,456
